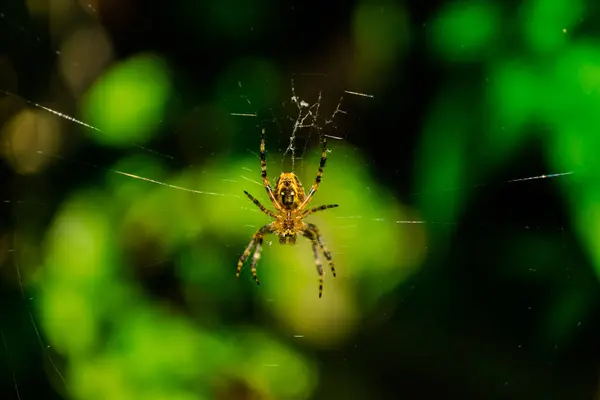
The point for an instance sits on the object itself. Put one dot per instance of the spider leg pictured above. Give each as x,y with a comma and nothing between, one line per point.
312,228
263,170
320,208
245,255
312,233
262,208
315,186
319,266
257,237
255,259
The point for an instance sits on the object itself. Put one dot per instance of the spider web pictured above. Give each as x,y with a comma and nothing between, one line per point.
301,119
307,122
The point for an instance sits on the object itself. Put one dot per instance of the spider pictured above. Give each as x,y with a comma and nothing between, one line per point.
290,201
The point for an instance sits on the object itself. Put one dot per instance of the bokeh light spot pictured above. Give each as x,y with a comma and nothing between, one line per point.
545,22
513,92
465,30
128,103
83,56
30,136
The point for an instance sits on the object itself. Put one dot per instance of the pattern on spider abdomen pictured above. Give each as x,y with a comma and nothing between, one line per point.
290,192
290,201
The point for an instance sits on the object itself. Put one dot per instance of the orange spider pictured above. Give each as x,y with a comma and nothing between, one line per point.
290,201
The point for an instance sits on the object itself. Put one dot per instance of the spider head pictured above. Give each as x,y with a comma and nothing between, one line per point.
289,192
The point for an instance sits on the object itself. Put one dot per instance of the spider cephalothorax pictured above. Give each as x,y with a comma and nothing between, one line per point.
290,201
290,192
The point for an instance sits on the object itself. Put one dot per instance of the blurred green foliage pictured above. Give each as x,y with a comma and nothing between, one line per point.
122,343
547,77
466,30
99,317
128,103
545,22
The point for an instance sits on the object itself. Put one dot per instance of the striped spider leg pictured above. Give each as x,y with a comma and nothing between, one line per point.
290,201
